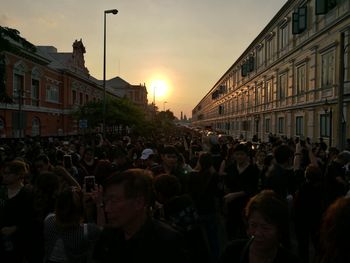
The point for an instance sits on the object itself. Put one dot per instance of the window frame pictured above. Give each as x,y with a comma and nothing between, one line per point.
299,125
301,79
328,69
281,125
324,125
53,93
35,92
267,125
283,36
282,89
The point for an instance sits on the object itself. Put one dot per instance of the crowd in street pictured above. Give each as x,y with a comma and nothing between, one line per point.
181,197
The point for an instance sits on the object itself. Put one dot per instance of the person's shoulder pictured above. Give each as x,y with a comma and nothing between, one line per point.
157,169
164,231
159,225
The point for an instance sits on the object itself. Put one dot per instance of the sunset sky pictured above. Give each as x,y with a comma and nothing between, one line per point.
184,46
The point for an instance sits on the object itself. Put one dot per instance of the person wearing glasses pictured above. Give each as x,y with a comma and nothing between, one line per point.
267,228
131,234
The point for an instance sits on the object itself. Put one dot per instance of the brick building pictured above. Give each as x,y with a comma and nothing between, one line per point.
45,86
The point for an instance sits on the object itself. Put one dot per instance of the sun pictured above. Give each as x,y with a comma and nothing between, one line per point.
159,88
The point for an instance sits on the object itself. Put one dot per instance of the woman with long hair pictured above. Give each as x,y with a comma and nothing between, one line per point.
67,238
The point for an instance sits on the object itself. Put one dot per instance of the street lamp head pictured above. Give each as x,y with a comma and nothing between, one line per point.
112,11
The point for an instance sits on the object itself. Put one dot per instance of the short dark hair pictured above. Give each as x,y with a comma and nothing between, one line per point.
205,160
241,148
167,185
170,149
47,183
42,158
282,153
313,173
272,208
17,167
136,182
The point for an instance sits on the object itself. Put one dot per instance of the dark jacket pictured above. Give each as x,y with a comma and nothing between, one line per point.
280,180
155,242
238,251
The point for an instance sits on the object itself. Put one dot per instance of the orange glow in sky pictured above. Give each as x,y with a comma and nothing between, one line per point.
161,89
183,46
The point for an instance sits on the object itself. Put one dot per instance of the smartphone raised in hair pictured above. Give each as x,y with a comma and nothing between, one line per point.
89,182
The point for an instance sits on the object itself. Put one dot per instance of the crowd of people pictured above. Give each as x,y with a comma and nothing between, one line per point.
173,198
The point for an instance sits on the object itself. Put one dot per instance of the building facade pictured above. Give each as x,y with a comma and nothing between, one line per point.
292,80
45,86
136,93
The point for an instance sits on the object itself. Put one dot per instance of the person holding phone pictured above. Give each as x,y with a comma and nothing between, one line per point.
67,238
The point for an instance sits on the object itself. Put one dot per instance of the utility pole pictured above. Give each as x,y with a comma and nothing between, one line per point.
340,119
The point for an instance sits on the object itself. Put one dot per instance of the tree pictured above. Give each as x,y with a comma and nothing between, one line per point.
119,111
17,44
4,97
164,122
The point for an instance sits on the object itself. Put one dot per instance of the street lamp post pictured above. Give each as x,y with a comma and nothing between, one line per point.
341,120
154,102
164,105
114,12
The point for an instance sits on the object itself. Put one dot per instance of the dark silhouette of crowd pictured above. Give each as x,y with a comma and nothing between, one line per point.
188,196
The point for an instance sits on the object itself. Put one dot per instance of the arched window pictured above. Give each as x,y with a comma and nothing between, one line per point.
35,126
36,73
20,68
